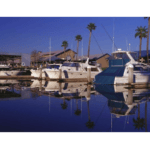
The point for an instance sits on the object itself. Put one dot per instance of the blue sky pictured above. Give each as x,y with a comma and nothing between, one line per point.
24,34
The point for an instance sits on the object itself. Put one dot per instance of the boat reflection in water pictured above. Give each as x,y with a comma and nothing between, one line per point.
13,90
73,106
67,91
124,101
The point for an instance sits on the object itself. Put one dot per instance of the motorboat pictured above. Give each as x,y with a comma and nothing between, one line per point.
118,70
73,70
36,72
5,70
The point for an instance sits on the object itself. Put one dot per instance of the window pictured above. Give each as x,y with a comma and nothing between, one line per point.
134,55
74,65
66,64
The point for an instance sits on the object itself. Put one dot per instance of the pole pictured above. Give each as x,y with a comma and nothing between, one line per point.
88,92
130,77
89,74
40,71
60,74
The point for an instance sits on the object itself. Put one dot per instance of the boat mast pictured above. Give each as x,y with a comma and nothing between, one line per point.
113,46
127,44
50,50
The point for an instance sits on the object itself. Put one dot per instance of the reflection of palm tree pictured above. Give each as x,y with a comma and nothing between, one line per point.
89,124
64,105
77,111
139,123
146,116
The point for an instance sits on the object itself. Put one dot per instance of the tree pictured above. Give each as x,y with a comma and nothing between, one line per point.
147,47
141,33
78,39
91,27
34,56
65,45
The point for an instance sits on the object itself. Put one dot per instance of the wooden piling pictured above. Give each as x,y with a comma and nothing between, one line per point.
89,74
130,97
60,88
60,74
40,72
130,77
88,92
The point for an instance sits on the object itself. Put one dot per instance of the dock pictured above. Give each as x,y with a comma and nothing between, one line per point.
27,77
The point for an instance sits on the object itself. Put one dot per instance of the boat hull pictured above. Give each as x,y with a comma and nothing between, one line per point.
54,74
36,73
10,73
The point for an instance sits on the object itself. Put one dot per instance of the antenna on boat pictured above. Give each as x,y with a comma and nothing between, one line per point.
129,47
109,36
127,44
113,46
50,50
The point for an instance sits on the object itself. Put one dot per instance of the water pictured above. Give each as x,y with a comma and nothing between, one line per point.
34,106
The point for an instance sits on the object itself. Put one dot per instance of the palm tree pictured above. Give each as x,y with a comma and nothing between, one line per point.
65,45
78,39
141,32
148,39
91,27
139,122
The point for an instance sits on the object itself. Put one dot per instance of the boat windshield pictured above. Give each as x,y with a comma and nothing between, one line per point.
134,55
66,64
53,66
119,56
74,65
71,64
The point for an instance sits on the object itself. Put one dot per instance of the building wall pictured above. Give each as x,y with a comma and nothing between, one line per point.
68,53
103,61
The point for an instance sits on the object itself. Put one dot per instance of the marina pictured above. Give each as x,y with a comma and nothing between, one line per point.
72,107
52,81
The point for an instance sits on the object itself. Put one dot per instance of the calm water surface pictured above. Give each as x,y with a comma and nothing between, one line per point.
33,106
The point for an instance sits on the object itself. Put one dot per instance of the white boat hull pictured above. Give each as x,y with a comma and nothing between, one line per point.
10,73
137,79
54,74
36,73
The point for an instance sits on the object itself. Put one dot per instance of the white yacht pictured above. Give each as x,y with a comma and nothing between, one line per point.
118,70
5,70
73,70
36,72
